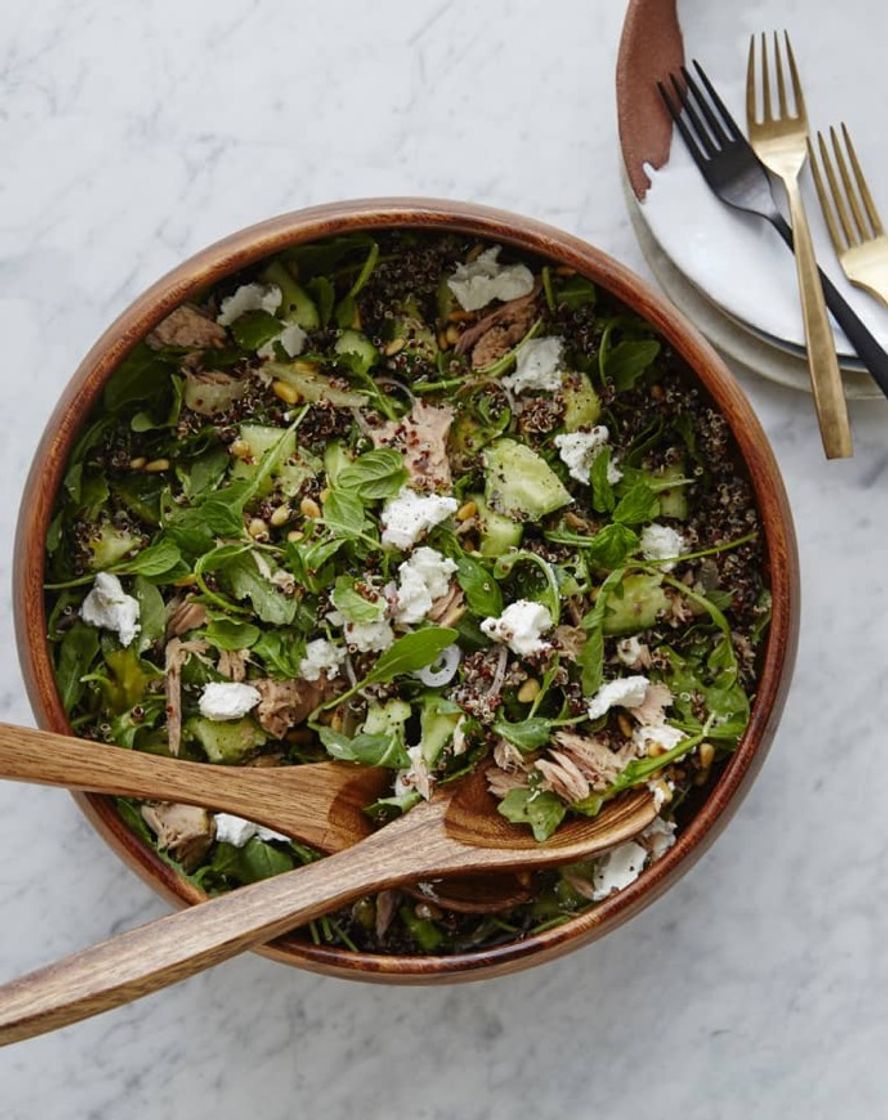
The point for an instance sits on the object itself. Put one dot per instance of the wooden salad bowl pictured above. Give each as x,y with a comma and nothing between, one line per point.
238,252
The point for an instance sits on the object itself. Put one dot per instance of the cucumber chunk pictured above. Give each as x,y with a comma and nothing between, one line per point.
519,483
498,533
582,405
228,743
642,601
358,349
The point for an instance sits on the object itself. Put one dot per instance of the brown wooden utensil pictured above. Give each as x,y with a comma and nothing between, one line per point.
457,832
321,803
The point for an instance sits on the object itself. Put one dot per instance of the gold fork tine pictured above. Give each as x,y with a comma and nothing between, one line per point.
781,84
750,81
766,81
837,193
859,220
797,94
828,215
862,186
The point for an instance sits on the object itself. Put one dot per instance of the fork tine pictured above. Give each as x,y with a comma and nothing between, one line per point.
859,220
750,82
711,119
781,86
829,217
766,81
694,117
731,125
797,94
675,112
837,193
868,202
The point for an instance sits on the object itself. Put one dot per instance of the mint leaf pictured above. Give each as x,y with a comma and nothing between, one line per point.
344,514
544,812
378,474
370,750
254,328
611,545
482,592
268,601
603,500
227,633
640,503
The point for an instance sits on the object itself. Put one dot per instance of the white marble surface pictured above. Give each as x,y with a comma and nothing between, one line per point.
134,134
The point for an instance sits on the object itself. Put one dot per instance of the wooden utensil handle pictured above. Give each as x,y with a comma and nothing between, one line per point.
826,381
162,952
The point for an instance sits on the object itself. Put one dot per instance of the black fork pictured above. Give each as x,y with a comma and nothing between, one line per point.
734,173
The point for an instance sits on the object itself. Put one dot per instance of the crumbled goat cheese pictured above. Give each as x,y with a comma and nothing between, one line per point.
408,515
625,692
369,637
237,831
629,651
662,542
520,626
475,283
249,297
661,734
537,366
109,607
578,450
320,657
227,700
659,836
423,578
661,791
617,869
292,338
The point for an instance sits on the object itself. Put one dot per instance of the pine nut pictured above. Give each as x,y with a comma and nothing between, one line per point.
529,691
654,750
157,465
280,516
240,449
466,510
137,463
295,535
310,508
325,493
258,529
443,344
707,754
395,347
286,392
624,725
664,789
336,721
302,365
452,334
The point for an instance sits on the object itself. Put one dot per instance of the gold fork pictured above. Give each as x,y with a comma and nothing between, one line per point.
780,142
863,250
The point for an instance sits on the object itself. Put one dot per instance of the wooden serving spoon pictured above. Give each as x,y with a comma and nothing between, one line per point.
457,832
321,803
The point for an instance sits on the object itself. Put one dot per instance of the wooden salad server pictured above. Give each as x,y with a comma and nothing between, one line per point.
320,804
457,832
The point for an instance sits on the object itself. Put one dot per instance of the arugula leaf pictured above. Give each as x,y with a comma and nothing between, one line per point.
280,651
591,661
146,421
388,808
576,291
156,560
344,514
411,652
370,750
309,562
254,328
544,812
603,500
640,503
231,634
352,604
378,474
139,377
268,601
206,472
528,735
628,360
482,592
77,652
324,296
256,860
550,597
152,613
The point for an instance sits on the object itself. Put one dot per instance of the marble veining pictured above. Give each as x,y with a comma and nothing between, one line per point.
132,136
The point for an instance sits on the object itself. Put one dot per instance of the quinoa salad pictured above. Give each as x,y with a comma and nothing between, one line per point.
412,501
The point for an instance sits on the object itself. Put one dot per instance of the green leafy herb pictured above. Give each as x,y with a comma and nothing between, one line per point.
371,750
77,652
603,500
482,592
543,811
628,360
254,328
378,474
528,735
232,634
256,860
352,605
639,504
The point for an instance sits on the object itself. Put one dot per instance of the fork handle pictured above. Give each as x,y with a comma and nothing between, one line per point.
867,348
826,381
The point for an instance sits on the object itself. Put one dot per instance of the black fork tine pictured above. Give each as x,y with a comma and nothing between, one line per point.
694,117
712,120
690,140
730,123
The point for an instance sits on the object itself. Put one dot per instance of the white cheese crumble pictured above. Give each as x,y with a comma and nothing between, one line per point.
369,637
617,869
408,515
292,338
578,451
249,297
537,366
475,283
422,579
320,657
520,627
625,692
237,831
662,542
629,651
108,606
662,734
222,700
659,837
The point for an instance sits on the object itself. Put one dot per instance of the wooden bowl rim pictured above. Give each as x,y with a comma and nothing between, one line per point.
238,251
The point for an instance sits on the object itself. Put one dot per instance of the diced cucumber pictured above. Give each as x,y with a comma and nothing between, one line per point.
642,601
445,299
313,386
582,405
673,503
387,719
359,350
291,467
110,545
409,325
498,533
297,305
227,742
520,483
437,729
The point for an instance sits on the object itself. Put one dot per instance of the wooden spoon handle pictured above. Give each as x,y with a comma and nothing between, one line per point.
138,962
